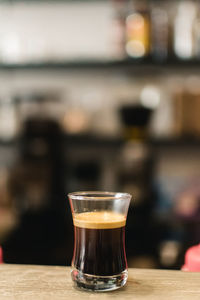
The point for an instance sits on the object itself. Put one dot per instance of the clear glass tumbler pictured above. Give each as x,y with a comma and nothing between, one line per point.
99,258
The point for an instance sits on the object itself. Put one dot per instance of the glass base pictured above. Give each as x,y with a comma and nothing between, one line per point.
99,283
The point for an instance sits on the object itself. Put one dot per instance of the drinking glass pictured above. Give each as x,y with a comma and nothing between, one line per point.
99,259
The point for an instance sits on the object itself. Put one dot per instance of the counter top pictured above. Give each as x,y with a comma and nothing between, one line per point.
25,282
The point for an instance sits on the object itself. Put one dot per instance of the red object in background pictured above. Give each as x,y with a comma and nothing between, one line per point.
192,259
1,255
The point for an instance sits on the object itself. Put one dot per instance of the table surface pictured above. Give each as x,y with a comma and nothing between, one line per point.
53,283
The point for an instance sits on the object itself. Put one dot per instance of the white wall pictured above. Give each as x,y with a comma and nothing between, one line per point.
55,30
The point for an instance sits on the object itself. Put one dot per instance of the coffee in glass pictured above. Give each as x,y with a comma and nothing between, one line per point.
99,259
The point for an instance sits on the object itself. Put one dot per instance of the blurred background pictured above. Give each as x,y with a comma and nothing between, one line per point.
99,95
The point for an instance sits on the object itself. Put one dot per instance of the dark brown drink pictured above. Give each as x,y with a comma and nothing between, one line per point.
99,243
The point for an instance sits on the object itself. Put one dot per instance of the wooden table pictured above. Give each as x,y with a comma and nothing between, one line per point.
20,282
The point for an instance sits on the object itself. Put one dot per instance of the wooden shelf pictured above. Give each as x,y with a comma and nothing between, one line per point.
102,64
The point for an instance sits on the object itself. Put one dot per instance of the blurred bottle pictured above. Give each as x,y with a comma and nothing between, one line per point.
184,30
197,33
75,121
158,99
40,105
133,172
135,153
9,119
159,31
186,109
169,252
138,29
135,119
134,175
118,35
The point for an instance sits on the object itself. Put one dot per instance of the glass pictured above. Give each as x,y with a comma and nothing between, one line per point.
99,259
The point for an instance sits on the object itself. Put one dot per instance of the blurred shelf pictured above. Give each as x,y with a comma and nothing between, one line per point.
103,64
43,1
70,0
118,141
175,142
62,65
83,140
9,143
86,140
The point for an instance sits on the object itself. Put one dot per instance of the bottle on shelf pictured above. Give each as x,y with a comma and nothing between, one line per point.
118,36
138,29
186,109
9,119
184,30
197,33
159,31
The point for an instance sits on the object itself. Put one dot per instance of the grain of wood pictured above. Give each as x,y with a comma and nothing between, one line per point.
24,282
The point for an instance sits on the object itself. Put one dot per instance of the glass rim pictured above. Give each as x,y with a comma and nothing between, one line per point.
98,195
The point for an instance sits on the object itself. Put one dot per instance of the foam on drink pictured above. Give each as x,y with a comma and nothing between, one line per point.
99,220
